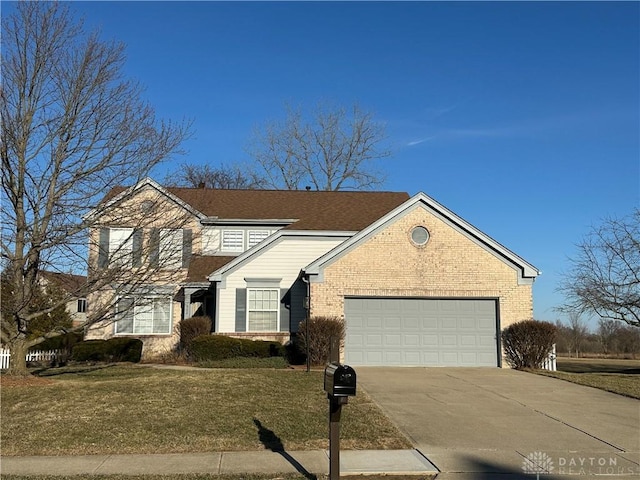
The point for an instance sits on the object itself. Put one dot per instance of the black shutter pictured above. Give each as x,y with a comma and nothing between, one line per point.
285,313
137,247
241,309
187,241
103,248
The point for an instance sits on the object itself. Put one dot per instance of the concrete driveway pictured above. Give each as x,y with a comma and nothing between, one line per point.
484,422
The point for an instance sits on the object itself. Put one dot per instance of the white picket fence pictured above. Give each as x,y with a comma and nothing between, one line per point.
34,356
550,362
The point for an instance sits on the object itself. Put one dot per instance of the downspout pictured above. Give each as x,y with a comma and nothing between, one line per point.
307,305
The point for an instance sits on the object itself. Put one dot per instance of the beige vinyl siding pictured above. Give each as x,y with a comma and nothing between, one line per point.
282,260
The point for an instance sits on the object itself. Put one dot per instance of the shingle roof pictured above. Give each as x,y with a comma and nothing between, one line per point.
314,210
69,282
201,266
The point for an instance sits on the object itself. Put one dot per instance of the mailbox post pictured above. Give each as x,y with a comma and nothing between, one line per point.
340,384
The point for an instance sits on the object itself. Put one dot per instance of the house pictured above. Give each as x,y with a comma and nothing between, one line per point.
70,284
414,283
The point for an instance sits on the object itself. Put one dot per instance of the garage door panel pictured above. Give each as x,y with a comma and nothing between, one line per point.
373,340
429,323
449,322
468,323
356,340
393,340
449,358
487,340
421,332
412,358
429,340
448,340
411,323
468,341
486,323
392,322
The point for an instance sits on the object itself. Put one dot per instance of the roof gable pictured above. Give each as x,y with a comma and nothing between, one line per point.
421,200
119,194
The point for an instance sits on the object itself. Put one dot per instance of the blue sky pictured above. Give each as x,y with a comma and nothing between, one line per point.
521,117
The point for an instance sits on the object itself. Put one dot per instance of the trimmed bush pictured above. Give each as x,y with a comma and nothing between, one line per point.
261,348
61,342
294,353
219,347
528,343
112,350
191,328
318,340
215,347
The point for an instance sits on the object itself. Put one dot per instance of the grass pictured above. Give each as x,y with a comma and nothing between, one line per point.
132,409
246,362
613,375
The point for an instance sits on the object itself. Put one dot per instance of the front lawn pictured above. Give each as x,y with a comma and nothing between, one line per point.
613,375
132,409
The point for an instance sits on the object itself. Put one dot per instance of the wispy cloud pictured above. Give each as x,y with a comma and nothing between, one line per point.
530,127
419,141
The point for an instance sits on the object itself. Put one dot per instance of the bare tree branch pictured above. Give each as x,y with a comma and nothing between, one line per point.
334,149
206,176
72,128
605,274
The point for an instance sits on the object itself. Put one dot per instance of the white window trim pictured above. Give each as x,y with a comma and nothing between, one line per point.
224,248
83,302
134,334
277,309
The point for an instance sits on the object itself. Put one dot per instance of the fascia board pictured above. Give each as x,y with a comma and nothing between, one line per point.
248,222
219,274
316,267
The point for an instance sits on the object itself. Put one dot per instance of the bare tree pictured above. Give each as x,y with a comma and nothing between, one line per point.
206,176
334,148
72,128
605,275
578,333
607,334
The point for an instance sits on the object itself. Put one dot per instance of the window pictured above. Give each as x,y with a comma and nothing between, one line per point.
171,248
82,305
256,236
263,309
419,236
232,240
121,246
143,315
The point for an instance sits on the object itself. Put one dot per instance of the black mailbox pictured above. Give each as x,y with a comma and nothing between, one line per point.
339,380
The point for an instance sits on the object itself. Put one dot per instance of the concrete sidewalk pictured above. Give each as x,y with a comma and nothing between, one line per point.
308,463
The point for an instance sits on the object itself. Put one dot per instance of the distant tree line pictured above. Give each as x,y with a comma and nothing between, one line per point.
609,338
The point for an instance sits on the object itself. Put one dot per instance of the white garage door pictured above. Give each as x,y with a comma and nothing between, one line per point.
425,332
